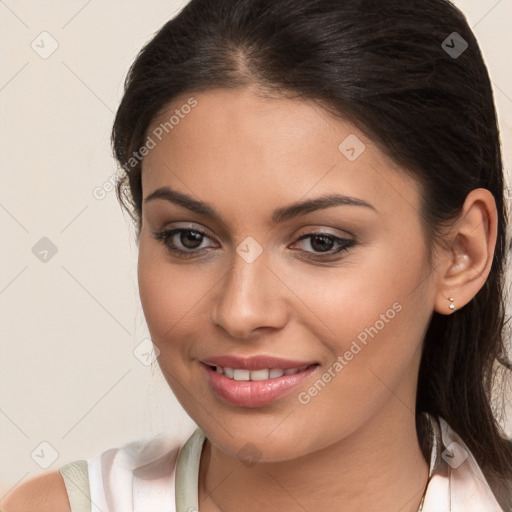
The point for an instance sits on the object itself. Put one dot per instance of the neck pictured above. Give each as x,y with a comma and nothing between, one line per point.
379,465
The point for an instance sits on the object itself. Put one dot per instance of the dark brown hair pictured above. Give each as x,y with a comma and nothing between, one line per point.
388,68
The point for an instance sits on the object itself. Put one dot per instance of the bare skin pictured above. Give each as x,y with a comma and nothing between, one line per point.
43,493
352,446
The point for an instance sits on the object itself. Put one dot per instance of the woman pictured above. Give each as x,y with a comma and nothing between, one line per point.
318,193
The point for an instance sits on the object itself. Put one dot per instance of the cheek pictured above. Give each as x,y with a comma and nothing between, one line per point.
173,298
163,296
373,315
373,361
368,296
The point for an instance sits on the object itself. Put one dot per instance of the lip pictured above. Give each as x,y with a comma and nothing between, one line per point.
254,393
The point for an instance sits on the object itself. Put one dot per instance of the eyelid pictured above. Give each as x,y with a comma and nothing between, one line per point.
320,229
189,226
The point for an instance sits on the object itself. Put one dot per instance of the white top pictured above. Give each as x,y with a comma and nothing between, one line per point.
140,476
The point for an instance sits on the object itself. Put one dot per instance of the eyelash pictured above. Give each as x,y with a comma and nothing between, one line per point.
166,235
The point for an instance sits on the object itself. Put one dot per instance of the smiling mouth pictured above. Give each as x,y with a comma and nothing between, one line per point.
253,375
256,387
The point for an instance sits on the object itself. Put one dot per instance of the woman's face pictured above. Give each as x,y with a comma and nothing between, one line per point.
342,288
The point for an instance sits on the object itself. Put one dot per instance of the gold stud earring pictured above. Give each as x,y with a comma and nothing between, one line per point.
452,305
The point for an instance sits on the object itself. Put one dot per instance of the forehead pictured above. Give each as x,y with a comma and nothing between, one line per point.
236,141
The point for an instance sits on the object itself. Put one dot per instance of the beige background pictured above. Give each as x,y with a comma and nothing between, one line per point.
69,326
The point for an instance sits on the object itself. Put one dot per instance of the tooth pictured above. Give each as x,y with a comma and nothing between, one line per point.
259,374
229,372
276,372
302,368
242,375
291,371
220,370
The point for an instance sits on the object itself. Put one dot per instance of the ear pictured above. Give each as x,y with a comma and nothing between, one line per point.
469,252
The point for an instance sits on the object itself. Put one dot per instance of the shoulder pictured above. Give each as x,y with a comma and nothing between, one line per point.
143,467
43,493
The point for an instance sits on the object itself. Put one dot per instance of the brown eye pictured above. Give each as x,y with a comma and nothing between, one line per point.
190,239
325,243
181,241
322,243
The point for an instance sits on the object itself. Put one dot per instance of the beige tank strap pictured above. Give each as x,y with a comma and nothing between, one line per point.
76,479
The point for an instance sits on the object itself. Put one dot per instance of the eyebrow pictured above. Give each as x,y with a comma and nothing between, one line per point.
279,215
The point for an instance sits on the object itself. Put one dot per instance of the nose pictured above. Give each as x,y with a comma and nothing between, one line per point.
249,297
